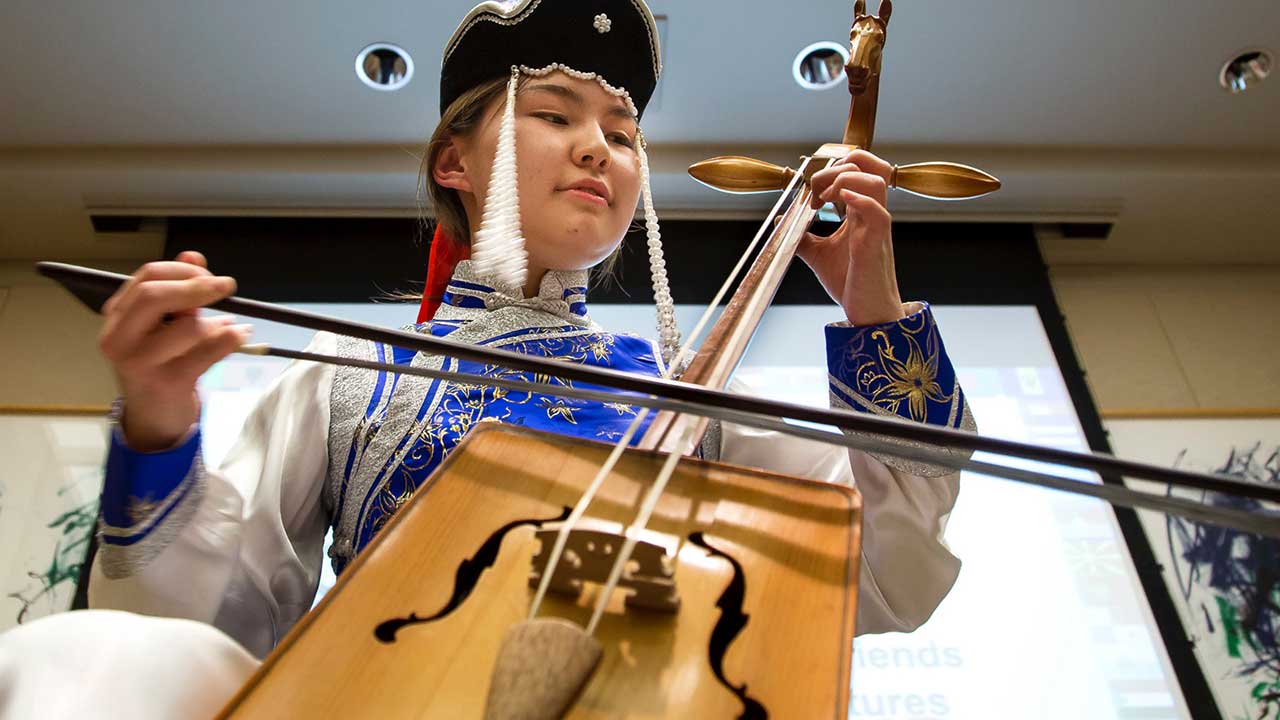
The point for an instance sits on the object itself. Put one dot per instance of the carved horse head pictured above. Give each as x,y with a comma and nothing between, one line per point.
866,43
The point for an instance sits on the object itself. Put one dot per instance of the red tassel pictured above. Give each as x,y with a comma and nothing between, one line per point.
446,253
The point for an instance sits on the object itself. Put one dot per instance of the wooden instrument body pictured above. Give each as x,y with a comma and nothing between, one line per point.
797,543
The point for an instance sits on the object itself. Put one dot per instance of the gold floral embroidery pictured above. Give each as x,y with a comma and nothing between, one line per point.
601,347
573,349
389,502
621,408
913,379
463,406
557,409
900,368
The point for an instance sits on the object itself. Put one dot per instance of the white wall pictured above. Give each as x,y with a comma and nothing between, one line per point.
48,341
1175,337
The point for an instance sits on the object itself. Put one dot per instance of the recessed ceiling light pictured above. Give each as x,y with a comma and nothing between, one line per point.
820,66
1246,70
383,66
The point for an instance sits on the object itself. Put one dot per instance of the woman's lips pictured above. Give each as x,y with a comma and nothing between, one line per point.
588,196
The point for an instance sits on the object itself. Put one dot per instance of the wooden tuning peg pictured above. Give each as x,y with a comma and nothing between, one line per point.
936,180
943,180
737,174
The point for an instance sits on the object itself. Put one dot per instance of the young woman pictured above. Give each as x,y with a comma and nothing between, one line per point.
538,164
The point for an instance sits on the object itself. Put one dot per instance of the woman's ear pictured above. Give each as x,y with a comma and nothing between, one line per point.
449,172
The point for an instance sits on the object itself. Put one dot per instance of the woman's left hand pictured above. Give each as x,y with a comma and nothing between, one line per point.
855,263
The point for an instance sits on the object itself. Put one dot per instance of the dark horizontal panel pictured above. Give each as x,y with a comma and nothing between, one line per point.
1085,231
116,223
358,259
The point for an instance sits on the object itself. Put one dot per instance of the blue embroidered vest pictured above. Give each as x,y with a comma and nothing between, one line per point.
389,432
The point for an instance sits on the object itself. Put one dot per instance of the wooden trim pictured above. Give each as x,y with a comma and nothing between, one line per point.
1189,413
54,409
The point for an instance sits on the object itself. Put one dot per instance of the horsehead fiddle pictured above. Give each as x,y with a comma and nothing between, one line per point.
440,600
430,620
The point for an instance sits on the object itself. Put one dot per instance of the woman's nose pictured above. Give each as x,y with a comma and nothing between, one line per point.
593,150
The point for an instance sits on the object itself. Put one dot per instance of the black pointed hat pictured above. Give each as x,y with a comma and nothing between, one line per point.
615,39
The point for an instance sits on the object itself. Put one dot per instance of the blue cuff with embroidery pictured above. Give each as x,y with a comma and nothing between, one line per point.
899,368
137,489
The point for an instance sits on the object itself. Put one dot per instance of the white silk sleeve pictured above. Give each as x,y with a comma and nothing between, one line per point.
907,568
239,547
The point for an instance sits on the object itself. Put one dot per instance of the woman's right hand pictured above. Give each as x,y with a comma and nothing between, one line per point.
159,345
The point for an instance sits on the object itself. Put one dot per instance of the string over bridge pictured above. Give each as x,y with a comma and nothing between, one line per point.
589,554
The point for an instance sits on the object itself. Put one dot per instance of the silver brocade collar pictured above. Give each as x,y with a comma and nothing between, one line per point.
562,294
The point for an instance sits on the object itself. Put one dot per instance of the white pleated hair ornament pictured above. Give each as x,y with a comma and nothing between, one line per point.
613,42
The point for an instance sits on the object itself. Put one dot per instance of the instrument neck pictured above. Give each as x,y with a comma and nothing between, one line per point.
728,339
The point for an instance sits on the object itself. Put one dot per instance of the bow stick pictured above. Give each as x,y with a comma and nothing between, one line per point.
93,287
1116,495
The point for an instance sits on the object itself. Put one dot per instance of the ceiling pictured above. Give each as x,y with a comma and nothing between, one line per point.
1086,110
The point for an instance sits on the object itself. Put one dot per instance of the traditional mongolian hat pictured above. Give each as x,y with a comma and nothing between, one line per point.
615,43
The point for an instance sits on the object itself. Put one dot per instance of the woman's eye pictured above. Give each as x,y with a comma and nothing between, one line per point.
623,140
553,118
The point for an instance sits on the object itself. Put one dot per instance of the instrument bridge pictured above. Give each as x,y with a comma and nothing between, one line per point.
589,556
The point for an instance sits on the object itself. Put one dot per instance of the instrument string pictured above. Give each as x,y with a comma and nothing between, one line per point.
677,362
686,438
795,186
637,526
737,269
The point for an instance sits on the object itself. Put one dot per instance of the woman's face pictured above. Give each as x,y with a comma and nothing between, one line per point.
578,171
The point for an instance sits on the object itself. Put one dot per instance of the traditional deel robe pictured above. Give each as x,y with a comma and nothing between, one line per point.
240,547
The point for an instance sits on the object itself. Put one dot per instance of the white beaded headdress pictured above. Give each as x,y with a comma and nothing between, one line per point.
576,30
